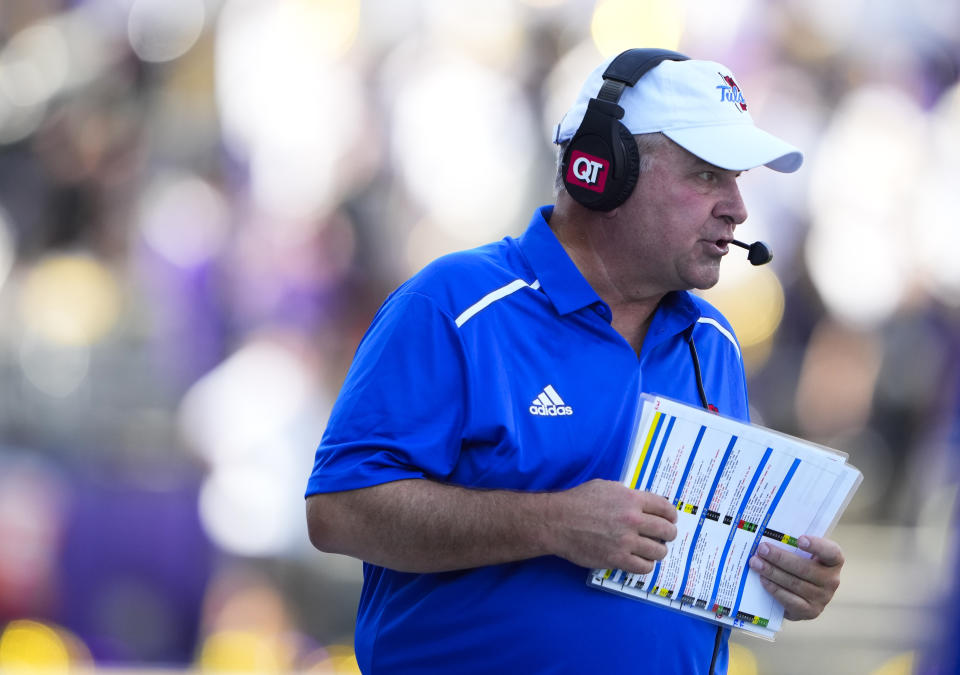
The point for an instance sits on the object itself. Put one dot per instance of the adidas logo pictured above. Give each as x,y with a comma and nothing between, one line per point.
549,404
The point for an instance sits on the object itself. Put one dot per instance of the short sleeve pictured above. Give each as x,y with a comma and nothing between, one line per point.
401,410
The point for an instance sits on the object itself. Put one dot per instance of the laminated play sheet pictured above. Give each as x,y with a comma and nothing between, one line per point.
734,485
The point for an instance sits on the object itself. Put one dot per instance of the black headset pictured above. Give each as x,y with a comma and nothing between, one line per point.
601,163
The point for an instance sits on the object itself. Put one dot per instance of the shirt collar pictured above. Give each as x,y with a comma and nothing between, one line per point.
676,313
569,291
559,277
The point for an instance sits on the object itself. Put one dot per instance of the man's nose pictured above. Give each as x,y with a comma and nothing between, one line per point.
730,206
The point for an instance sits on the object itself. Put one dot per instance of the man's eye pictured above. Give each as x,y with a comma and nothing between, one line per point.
708,175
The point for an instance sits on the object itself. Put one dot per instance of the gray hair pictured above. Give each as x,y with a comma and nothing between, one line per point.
646,143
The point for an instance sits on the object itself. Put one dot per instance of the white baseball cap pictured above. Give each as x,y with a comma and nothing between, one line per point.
699,106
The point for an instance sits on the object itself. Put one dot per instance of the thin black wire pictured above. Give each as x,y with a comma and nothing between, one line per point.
706,405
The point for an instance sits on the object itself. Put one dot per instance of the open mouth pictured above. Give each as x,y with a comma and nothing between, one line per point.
720,246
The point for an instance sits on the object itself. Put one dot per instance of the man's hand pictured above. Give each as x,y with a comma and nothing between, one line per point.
803,586
604,524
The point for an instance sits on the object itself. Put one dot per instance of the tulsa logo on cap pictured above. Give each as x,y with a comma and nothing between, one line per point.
731,92
587,171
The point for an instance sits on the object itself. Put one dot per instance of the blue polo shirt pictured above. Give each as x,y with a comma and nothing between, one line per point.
498,368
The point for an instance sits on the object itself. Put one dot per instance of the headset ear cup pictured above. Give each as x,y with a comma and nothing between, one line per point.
622,188
602,143
614,146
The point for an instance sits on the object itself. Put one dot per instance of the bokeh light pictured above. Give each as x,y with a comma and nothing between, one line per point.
90,46
242,403
70,299
242,652
28,647
563,83
236,417
184,219
34,65
162,30
861,273
938,200
861,194
742,661
715,27
453,105
253,495
334,660
622,24
901,664
490,31
834,24
288,106
57,370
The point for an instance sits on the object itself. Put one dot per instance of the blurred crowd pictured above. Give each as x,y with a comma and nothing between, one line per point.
203,202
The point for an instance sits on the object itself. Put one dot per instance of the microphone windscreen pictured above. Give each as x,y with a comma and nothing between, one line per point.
759,253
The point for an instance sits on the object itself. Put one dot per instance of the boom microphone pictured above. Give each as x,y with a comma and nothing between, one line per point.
758,253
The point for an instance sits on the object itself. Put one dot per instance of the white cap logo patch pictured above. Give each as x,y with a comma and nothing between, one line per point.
731,92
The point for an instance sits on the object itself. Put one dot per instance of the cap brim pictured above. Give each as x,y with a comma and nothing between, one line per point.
737,147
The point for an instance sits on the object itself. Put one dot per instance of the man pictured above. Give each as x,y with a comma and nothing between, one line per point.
471,459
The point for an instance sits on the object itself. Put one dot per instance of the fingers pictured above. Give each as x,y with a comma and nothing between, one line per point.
639,552
656,518
814,569
828,552
656,505
635,565
606,524
795,607
649,549
656,528
798,596
802,585
643,556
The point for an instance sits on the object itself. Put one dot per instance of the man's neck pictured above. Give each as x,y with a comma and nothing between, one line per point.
632,322
632,312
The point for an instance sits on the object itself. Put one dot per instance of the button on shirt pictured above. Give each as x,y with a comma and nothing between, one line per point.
498,368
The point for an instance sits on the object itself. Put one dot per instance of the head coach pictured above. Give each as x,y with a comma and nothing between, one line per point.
472,457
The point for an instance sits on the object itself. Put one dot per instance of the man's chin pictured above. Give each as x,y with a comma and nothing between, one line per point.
699,277
704,282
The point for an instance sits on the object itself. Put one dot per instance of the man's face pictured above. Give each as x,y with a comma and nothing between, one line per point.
674,228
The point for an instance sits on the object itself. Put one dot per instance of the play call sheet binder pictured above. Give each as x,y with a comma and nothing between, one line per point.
734,485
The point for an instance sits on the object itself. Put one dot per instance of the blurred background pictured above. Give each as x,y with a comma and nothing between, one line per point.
203,202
